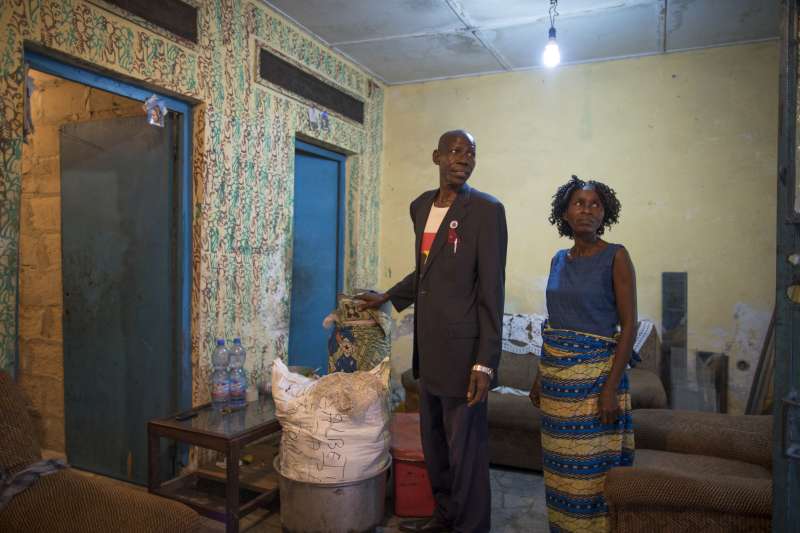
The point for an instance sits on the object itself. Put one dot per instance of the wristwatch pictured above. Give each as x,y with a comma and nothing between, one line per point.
484,369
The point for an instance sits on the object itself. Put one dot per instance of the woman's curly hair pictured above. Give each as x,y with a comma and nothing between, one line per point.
611,205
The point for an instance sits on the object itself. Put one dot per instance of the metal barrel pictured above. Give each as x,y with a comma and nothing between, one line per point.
344,507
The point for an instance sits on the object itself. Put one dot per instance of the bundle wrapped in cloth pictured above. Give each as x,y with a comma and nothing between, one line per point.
360,340
335,428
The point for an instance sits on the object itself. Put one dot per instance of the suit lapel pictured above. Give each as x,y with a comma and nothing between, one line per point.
458,211
420,219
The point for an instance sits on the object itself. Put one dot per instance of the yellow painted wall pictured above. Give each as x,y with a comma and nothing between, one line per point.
688,140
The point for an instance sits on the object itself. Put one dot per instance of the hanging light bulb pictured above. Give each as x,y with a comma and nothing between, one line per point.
552,55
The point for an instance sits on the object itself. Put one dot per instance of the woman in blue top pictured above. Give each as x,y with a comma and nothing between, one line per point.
582,387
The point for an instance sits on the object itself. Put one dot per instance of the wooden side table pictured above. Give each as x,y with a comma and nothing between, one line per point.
226,432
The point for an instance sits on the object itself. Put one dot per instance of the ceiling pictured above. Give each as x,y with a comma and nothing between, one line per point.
406,41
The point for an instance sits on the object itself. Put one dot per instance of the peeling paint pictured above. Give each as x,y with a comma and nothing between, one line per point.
404,327
745,345
751,326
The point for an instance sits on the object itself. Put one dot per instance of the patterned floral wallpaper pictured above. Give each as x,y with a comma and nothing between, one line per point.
243,158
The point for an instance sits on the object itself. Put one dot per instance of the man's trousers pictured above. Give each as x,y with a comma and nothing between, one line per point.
455,440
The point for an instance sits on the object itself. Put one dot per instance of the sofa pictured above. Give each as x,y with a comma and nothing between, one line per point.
694,471
69,501
515,424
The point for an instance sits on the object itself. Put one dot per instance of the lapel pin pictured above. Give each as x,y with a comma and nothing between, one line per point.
452,236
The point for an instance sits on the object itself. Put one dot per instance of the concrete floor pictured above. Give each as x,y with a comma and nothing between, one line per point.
518,506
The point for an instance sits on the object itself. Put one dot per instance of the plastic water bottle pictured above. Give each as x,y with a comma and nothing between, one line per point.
220,380
238,378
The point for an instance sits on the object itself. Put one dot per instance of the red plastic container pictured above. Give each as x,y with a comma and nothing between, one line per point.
412,489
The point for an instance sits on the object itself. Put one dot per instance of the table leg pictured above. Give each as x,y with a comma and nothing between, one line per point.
232,489
153,442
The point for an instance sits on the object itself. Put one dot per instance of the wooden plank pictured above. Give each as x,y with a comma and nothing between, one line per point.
175,16
208,496
258,476
201,500
760,398
259,501
180,482
195,437
287,76
785,470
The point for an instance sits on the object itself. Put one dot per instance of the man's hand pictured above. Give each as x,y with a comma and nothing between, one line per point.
371,300
478,389
536,391
608,405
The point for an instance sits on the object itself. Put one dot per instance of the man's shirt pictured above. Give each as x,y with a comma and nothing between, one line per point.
435,218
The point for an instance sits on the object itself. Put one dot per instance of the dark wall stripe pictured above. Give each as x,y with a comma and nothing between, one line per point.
172,15
287,76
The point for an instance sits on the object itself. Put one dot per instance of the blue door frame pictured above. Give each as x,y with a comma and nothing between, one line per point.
301,146
46,64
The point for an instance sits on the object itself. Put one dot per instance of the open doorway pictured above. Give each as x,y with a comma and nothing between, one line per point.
104,272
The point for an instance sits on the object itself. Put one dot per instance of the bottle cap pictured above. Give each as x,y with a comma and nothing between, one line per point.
220,342
237,340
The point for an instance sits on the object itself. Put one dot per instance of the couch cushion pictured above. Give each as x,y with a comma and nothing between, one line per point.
69,501
746,438
517,371
513,412
18,446
699,466
516,448
647,391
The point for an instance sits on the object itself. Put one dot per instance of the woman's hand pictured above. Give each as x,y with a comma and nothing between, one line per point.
536,391
608,405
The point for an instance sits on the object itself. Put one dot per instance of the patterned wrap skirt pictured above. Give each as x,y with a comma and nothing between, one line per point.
577,448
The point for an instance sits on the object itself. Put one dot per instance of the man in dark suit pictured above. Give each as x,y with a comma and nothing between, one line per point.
457,289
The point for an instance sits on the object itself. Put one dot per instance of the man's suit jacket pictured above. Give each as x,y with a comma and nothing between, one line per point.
458,292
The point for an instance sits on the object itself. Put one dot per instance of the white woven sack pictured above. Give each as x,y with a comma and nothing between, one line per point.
334,429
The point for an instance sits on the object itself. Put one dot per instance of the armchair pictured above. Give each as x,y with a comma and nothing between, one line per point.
66,500
694,471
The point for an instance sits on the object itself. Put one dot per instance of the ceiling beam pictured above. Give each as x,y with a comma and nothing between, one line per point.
325,43
459,11
479,32
500,24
